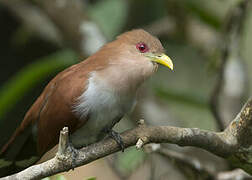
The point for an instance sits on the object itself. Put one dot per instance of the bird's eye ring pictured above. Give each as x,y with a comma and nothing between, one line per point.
142,47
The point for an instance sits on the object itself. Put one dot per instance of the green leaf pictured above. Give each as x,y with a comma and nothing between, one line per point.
60,177
203,14
28,77
91,178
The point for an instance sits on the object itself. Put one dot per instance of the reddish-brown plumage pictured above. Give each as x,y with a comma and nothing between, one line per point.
53,109
118,64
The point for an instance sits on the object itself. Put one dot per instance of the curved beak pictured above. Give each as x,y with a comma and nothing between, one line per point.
161,58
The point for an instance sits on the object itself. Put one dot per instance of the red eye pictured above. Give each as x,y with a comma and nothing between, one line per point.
142,47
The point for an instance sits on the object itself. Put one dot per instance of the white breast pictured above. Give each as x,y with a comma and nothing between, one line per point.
103,105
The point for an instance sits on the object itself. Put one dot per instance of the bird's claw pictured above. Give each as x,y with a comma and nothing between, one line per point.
116,136
73,154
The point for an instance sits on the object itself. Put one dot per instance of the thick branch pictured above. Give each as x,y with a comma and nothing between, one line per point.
235,143
182,136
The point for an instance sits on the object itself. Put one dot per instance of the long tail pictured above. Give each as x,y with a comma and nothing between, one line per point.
18,153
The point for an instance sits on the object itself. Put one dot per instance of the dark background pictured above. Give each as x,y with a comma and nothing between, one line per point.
193,33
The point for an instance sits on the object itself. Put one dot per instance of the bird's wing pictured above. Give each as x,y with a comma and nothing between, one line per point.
48,115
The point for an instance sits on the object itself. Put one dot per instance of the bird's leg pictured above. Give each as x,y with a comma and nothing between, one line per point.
116,136
113,134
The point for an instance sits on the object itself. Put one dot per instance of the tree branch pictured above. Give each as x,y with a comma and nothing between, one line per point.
190,167
230,51
235,144
234,174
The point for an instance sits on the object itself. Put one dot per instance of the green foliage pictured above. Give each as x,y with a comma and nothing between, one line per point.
203,14
47,178
237,161
60,177
110,16
28,77
91,178
21,36
56,177
130,160
188,107
182,97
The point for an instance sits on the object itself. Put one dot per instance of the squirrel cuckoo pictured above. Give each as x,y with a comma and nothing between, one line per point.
89,98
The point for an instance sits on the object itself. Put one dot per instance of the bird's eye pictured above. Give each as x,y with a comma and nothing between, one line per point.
142,47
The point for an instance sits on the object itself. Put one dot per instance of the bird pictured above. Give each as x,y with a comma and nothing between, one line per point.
89,98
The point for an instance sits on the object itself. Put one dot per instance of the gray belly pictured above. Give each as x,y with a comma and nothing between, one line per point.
103,106
101,119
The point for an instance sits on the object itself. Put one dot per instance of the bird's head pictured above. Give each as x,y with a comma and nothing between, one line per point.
144,45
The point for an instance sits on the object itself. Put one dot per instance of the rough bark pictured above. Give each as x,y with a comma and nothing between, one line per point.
233,144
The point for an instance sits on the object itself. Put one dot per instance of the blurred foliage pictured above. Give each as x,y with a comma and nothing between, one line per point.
129,160
202,13
182,97
91,178
143,12
47,178
21,36
15,88
110,15
56,177
185,91
60,177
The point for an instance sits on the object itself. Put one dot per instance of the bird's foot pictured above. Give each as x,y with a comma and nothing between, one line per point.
116,136
74,153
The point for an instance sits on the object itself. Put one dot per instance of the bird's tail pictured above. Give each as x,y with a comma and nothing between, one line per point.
18,153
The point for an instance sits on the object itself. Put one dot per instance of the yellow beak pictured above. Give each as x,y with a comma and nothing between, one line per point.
162,59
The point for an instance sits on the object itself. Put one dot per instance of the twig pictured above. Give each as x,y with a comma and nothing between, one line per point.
231,48
214,98
139,143
142,140
189,166
234,174
233,144
196,168
63,141
152,167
